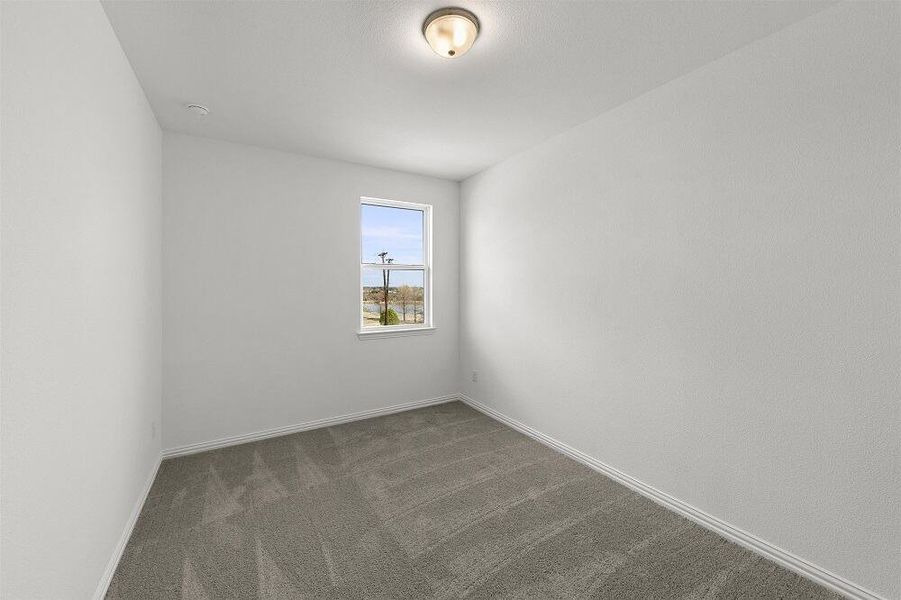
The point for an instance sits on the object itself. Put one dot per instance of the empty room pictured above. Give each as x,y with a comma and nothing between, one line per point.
404,299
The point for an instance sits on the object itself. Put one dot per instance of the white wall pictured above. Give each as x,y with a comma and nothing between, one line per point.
260,302
80,297
701,289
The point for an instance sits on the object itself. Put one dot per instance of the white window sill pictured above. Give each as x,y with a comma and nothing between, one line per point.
388,333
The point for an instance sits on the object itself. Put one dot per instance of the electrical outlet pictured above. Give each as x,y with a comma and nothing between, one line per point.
153,430
475,376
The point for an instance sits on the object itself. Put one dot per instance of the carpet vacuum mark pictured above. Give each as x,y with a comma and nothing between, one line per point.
439,502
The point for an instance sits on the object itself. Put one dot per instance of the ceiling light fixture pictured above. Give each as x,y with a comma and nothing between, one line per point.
198,109
451,31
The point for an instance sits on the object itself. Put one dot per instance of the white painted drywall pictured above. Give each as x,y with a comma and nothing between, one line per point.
80,297
261,255
701,289
357,81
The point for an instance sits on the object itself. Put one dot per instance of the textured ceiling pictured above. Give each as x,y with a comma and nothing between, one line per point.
356,80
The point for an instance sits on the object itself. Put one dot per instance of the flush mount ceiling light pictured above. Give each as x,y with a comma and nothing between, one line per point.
451,31
197,109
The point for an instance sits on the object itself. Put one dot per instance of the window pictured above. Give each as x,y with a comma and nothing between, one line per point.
395,267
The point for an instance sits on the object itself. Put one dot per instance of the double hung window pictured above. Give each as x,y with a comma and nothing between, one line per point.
395,266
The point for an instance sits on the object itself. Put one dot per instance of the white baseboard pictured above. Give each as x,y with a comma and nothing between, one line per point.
782,557
107,576
285,430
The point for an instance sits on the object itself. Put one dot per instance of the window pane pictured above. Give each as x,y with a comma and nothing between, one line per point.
397,231
406,303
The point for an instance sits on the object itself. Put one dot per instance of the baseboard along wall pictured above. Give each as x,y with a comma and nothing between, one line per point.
770,551
306,426
107,577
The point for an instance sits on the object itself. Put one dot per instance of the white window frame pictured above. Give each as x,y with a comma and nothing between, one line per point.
428,325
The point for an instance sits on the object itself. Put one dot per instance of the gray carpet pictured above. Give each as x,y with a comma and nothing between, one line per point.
440,502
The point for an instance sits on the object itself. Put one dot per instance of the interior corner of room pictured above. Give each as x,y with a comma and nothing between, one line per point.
334,299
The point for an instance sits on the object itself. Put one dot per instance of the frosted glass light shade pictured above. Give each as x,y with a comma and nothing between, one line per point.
451,31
